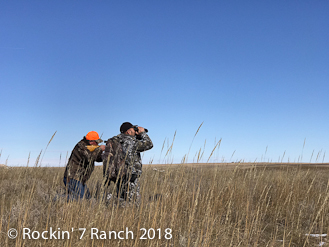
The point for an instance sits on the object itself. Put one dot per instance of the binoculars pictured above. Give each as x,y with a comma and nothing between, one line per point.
136,129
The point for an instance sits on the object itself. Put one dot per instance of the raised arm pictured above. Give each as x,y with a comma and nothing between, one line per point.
143,143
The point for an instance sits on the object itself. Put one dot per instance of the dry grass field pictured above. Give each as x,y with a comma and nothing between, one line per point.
200,205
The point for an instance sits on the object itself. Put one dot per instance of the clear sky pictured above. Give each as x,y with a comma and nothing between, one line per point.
255,73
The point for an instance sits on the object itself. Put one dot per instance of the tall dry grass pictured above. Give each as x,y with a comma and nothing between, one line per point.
204,206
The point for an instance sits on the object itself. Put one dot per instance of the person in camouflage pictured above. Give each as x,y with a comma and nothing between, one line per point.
81,165
134,140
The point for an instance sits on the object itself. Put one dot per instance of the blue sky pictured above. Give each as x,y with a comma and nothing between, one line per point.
255,73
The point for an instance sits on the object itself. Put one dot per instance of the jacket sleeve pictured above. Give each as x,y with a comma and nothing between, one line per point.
99,157
143,143
96,155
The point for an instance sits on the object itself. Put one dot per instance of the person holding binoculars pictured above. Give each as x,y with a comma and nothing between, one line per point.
131,142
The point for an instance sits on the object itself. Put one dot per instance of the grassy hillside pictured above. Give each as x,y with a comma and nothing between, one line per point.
198,206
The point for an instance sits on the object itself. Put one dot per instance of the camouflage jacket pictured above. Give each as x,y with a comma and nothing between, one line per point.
132,146
82,162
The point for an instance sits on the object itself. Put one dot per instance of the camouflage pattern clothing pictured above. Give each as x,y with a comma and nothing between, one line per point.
128,186
81,163
132,146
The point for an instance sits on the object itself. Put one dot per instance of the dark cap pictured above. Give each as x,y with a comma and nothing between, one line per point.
125,126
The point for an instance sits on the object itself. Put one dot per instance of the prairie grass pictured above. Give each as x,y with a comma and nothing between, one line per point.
204,205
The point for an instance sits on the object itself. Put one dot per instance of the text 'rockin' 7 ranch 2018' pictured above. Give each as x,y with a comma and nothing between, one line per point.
95,233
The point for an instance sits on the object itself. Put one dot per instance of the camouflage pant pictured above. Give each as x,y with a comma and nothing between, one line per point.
128,188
